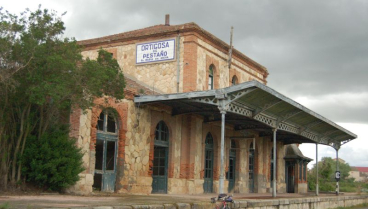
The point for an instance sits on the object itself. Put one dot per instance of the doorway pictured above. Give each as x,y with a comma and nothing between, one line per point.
251,168
208,165
290,177
106,152
232,166
160,159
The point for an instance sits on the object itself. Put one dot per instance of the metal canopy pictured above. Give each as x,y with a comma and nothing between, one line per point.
254,106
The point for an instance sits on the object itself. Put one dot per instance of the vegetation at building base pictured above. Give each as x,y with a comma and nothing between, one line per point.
4,206
42,78
53,161
327,181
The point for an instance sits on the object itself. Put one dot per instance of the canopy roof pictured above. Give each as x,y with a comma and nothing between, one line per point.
293,152
254,106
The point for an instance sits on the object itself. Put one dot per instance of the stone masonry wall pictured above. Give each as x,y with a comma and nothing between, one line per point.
161,76
136,177
81,130
186,152
194,58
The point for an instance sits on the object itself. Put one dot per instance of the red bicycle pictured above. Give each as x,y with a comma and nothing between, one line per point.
224,201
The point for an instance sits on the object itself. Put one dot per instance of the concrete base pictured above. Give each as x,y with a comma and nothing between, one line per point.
128,201
305,203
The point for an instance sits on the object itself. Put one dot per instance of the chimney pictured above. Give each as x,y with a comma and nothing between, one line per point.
167,20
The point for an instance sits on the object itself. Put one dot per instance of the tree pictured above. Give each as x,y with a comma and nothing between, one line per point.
42,76
326,174
53,161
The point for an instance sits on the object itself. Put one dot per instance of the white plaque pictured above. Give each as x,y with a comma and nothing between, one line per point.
157,51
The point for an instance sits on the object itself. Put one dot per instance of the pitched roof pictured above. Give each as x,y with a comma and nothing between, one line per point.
293,152
165,30
360,169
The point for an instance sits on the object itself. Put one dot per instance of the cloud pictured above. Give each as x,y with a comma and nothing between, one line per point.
354,152
340,106
315,51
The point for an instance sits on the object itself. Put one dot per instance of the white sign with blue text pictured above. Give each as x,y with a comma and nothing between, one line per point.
158,51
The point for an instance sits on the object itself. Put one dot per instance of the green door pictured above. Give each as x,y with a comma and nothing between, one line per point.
106,152
160,159
159,175
251,169
232,161
208,165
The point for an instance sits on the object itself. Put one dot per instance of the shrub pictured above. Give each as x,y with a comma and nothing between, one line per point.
53,161
327,186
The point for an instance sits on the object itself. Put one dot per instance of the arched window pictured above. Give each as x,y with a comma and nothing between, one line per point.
210,77
209,140
234,80
162,132
106,122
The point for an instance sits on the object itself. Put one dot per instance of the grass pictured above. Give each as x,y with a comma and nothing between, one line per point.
4,206
344,186
364,205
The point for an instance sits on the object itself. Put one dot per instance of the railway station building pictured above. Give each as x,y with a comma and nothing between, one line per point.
197,117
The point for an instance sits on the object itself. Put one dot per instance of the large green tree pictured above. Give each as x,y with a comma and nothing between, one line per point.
42,77
326,174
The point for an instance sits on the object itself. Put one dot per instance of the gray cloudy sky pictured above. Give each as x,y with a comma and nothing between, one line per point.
315,51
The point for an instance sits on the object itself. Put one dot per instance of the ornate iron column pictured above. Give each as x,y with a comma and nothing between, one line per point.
274,164
222,107
317,192
337,170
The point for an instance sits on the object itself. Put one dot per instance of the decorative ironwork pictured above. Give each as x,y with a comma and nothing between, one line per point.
207,100
335,145
287,127
309,135
239,110
264,119
346,141
239,94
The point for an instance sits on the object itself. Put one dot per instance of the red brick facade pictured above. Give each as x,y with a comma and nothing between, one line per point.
190,64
